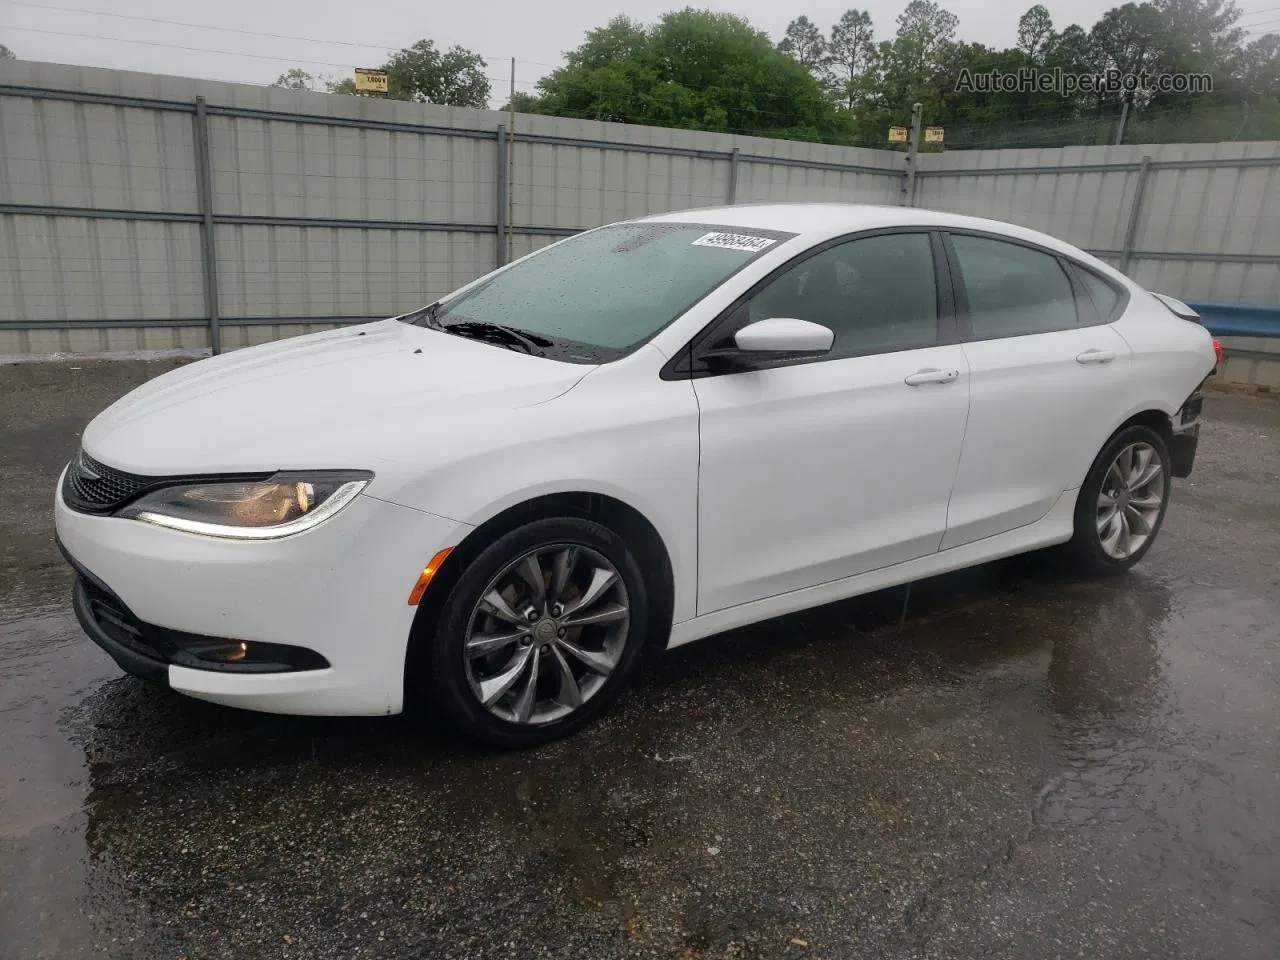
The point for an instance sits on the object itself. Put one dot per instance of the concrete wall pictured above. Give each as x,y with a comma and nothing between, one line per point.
1209,233
324,208
327,209
96,269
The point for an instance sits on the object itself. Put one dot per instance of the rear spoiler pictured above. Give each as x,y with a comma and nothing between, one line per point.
1180,309
1177,307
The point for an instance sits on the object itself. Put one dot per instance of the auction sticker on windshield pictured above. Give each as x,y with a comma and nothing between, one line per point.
734,241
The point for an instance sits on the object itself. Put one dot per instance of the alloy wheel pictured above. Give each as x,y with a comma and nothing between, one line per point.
1130,500
546,633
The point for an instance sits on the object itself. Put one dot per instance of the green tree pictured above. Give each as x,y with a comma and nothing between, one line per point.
1260,67
1072,51
1130,39
6,53
804,43
295,79
924,30
521,103
849,53
693,69
426,75
620,39
710,71
1035,32
1200,35
423,74
915,66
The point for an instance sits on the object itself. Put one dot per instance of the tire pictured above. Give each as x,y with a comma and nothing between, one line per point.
454,682
1134,514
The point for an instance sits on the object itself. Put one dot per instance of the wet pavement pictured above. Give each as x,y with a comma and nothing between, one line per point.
1026,766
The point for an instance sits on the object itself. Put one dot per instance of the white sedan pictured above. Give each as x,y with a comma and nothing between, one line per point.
641,435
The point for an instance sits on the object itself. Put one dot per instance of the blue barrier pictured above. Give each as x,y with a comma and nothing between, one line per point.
1238,319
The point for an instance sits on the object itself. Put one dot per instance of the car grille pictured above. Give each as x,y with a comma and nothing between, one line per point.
93,487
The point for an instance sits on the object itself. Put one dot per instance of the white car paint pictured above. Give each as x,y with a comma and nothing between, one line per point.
1013,469
771,490
339,588
821,471
284,404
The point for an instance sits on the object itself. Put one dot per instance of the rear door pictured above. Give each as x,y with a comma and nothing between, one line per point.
1047,375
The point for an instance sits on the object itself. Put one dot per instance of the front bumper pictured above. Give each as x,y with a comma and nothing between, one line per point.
129,652
340,590
146,650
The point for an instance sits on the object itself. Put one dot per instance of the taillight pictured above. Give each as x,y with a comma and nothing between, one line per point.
1217,350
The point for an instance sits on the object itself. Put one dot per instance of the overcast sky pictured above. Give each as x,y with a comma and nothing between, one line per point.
361,32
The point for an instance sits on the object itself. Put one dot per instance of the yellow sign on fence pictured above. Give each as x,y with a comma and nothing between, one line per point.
933,134
371,81
897,134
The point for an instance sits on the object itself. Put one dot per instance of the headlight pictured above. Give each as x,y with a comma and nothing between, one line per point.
279,506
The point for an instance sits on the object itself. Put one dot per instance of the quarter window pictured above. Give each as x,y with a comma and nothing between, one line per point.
1105,297
1013,290
877,294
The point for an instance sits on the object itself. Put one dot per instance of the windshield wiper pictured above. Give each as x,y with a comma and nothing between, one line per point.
495,333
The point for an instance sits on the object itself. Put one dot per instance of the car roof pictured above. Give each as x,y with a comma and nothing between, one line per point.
815,222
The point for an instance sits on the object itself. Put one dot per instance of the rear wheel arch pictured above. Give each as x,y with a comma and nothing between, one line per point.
625,520
1084,549
1152,417
1157,420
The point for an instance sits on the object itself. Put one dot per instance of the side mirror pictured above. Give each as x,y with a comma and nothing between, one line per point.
770,340
781,335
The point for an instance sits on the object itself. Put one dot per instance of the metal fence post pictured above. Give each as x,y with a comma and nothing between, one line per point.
500,181
208,247
1124,122
1135,211
907,193
734,159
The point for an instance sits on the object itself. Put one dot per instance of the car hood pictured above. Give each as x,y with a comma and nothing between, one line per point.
349,398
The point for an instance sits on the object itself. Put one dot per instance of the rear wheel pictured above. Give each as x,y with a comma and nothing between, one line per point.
539,634
1122,502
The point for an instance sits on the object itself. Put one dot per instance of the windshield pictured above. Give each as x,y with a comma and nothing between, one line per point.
595,295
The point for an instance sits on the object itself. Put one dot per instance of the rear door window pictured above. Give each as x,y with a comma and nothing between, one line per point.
1013,290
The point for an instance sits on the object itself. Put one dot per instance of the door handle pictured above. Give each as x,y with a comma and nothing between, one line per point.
931,375
1096,356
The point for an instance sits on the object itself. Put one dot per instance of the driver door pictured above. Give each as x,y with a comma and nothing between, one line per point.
813,470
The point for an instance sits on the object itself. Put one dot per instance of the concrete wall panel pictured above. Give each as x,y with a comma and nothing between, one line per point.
90,155
75,268
423,164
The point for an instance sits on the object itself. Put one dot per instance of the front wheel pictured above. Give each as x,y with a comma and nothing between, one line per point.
1122,502
539,634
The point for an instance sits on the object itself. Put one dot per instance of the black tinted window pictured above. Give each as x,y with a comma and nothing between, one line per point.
1105,297
1013,290
877,294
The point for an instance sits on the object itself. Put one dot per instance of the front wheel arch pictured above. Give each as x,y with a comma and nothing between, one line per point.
622,518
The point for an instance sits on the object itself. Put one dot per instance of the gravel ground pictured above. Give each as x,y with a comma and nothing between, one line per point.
1025,766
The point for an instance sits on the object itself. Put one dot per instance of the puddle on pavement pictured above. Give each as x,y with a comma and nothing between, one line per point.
839,763
140,813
